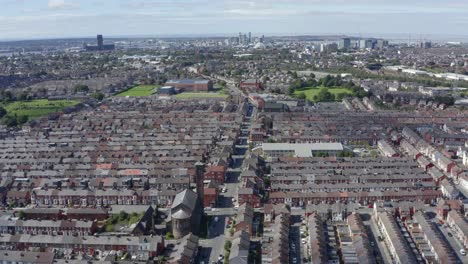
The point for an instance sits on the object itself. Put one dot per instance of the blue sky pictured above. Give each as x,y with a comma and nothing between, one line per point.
25,19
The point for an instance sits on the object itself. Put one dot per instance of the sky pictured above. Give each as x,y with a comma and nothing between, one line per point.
32,19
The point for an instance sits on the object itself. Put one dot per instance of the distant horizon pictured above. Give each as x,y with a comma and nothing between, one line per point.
51,19
390,36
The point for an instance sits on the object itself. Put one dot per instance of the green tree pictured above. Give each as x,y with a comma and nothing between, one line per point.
227,245
10,121
98,96
81,88
3,112
22,119
346,153
123,216
321,154
169,236
301,96
21,215
448,100
6,96
340,96
23,96
324,95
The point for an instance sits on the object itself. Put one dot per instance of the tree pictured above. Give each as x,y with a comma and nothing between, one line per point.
321,154
324,95
448,100
81,88
98,96
10,121
21,215
22,119
227,245
301,96
6,96
340,96
346,153
3,112
123,216
23,96
169,236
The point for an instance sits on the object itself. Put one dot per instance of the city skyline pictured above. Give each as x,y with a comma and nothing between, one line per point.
25,19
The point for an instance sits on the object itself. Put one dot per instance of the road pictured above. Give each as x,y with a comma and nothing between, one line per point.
373,234
295,250
213,247
453,241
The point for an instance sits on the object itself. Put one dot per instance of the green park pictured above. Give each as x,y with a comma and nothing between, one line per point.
37,108
313,93
140,91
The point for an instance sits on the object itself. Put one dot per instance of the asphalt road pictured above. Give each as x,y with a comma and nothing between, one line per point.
213,247
295,241
381,248
453,242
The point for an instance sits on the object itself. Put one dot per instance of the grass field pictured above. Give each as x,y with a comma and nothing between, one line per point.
310,92
140,90
200,95
38,108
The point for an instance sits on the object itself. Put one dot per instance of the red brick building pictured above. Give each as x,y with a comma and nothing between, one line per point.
248,195
210,197
216,174
191,85
251,84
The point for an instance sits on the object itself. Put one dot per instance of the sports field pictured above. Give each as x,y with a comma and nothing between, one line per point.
310,92
38,108
140,90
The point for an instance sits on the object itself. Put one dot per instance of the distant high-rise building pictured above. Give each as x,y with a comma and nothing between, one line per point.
330,47
426,45
362,43
262,38
367,44
381,43
345,43
245,39
100,45
100,42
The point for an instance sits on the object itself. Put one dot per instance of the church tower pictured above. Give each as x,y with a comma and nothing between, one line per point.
199,178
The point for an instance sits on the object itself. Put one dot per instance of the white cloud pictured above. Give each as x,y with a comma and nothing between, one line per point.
60,4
